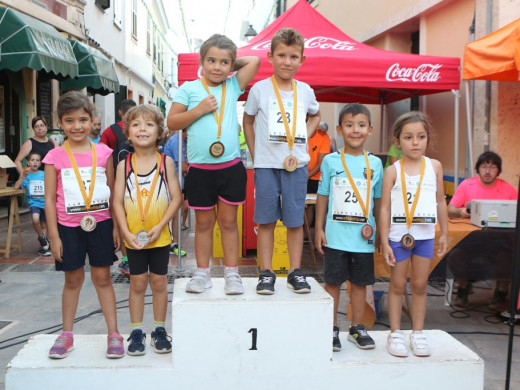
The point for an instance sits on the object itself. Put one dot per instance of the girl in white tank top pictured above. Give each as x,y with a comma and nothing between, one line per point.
411,205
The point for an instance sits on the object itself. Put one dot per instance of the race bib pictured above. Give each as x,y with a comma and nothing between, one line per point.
277,132
426,210
345,205
74,203
36,189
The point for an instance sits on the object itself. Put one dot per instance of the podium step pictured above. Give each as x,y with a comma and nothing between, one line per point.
282,341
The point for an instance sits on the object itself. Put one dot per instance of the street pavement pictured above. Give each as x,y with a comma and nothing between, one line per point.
30,303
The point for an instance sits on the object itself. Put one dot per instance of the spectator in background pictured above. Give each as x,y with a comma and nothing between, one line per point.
38,143
319,147
394,154
96,129
486,185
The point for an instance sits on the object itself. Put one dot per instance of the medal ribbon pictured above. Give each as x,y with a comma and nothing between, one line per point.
138,195
290,137
219,118
409,213
87,199
364,206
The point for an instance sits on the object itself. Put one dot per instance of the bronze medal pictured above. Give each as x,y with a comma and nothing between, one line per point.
367,231
88,223
408,242
290,163
142,237
216,149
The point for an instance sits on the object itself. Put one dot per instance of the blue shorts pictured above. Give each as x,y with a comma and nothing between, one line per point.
77,243
274,185
40,211
423,248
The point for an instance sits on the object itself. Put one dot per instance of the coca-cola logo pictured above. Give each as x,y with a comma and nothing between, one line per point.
314,43
423,73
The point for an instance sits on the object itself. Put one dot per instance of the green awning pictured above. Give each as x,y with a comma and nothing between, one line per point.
96,72
26,42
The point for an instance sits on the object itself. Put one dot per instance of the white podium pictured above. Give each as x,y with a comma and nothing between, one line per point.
282,341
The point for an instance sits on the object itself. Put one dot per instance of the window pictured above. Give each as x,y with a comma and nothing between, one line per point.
148,33
134,19
118,13
155,44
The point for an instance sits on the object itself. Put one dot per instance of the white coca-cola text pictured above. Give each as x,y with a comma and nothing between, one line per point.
422,73
315,43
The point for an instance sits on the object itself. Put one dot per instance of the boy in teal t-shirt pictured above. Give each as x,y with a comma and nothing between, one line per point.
346,208
32,180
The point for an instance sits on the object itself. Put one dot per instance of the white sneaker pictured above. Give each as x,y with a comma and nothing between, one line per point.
233,282
396,345
419,344
199,282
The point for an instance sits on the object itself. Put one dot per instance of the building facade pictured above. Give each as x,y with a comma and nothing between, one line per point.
439,28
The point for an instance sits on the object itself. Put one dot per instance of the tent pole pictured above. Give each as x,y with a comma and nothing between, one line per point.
382,146
456,95
469,126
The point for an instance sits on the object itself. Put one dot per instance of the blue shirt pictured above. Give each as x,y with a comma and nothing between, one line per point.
95,140
172,149
346,236
203,132
37,180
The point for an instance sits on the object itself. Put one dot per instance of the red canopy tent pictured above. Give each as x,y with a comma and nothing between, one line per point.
340,69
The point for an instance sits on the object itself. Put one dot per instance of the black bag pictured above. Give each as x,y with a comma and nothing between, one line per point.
122,147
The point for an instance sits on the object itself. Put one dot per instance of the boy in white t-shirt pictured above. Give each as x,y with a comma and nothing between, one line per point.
276,133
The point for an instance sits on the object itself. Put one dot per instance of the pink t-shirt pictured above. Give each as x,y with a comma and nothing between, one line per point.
472,188
69,202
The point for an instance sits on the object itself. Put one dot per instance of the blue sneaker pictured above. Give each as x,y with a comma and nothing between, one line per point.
136,346
161,341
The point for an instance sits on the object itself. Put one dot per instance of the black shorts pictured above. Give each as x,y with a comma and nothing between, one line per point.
77,243
154,259
340,266
312,186
204,187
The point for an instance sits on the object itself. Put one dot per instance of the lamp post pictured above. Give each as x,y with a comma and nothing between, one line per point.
250,33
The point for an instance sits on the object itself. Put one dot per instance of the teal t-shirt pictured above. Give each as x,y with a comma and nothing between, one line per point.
33,185
203,132
346,236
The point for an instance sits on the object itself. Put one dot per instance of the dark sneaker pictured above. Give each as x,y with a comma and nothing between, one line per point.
44,252
336,344
297,282
499,300
124,267
462,297
266,282
62,347
44,243
161,341
136,346
359,336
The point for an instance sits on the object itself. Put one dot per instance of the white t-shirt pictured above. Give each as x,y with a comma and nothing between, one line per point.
425,216
270,136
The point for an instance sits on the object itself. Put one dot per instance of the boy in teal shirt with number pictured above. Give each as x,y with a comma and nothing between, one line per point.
31,180
347,206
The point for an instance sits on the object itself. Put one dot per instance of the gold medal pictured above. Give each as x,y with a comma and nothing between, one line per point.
290,163
88,223
408,242
367,231
142,237
217,149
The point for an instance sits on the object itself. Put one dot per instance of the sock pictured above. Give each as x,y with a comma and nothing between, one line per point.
158,323
205,269
137,325
125,259
235,268
70,334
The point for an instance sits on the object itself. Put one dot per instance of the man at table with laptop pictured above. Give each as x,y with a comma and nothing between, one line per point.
486,186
